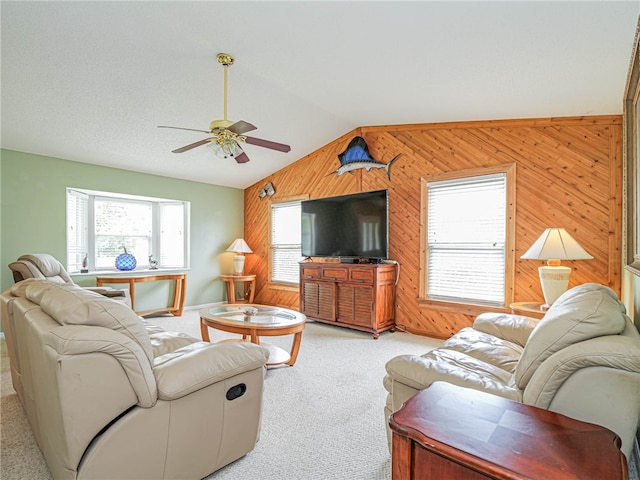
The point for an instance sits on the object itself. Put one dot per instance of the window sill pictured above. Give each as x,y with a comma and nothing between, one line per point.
460,308
289,287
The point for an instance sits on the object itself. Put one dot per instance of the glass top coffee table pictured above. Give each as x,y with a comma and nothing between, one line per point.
255,321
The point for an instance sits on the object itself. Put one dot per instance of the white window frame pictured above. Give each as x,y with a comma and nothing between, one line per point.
294,278
454,302
81,231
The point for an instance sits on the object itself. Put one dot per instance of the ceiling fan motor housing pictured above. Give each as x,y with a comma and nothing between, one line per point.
225,59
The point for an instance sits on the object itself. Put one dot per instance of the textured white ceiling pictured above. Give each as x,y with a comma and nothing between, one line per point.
91,81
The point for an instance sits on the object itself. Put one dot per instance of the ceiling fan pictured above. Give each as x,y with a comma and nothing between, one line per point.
227,135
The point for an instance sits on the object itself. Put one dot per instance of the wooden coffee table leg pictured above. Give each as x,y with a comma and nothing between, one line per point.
204,331
295,346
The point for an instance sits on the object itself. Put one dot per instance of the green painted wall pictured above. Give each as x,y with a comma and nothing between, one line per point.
33,218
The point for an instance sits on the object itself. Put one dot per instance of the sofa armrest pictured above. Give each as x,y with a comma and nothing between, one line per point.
612,351
84,339
450,366
514,328
200,364
107,291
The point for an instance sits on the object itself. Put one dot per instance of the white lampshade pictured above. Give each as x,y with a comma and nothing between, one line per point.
240,247
554,245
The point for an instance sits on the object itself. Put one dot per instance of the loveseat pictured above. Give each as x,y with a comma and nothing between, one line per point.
108,395
582,359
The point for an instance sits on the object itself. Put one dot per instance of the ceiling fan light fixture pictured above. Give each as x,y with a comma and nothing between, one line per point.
225,148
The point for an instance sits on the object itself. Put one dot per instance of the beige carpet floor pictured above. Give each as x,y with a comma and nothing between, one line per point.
322,418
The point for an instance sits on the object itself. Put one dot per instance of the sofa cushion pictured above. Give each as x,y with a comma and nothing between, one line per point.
418,372
488,348
73,305
584,312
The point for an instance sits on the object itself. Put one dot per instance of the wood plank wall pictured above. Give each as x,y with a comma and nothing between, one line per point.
568,174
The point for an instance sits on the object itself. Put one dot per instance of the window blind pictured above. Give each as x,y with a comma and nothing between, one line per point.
77,229
285,242
172,235
466,253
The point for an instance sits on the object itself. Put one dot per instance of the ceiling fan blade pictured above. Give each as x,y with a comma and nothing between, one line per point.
181,128
281,147
242,158
192,145
241,127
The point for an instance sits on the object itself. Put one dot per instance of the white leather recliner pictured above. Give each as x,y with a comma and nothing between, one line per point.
46,267
109,395
582,360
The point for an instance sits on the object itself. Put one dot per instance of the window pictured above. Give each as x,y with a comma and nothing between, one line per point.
101,225
468,237
285,242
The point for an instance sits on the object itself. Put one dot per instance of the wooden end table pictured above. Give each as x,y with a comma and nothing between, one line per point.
530,309
249,282
447,431
261,321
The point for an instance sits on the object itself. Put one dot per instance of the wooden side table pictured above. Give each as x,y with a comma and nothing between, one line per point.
249,282
447,431
530,309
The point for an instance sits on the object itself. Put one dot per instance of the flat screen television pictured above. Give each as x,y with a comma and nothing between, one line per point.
351,226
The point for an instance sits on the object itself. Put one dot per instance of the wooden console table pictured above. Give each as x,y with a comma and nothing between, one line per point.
447,431
131,280
248,280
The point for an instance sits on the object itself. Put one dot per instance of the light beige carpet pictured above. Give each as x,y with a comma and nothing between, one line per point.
322,418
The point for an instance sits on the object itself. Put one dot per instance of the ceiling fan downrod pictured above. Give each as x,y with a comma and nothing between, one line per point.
226,61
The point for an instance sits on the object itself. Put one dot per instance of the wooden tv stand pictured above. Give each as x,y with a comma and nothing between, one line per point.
447,431
357,296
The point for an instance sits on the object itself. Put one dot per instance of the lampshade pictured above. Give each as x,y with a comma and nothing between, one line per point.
554,245
240,247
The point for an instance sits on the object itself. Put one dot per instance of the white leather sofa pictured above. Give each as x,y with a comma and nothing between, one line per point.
582,360
110,396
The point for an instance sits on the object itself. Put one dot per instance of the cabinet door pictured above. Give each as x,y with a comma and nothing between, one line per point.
318,300
355,305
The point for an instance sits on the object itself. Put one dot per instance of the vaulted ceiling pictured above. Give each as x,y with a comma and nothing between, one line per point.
91,81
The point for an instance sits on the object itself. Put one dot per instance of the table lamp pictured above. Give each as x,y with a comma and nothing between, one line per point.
555,245
240,247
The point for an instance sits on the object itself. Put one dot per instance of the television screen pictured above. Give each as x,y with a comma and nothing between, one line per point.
353,226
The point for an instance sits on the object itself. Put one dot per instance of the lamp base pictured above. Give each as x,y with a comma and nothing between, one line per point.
238,264
554,281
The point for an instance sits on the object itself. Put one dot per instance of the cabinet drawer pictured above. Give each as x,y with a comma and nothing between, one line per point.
334,273
361,275
309,273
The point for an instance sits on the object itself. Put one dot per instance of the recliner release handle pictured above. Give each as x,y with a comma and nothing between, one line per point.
236,391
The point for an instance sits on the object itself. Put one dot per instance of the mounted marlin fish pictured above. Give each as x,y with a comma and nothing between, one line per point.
357,156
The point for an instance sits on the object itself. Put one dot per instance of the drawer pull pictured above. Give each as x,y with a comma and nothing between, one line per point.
333,278
360,280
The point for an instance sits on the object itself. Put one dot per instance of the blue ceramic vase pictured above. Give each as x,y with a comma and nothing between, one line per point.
125,261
